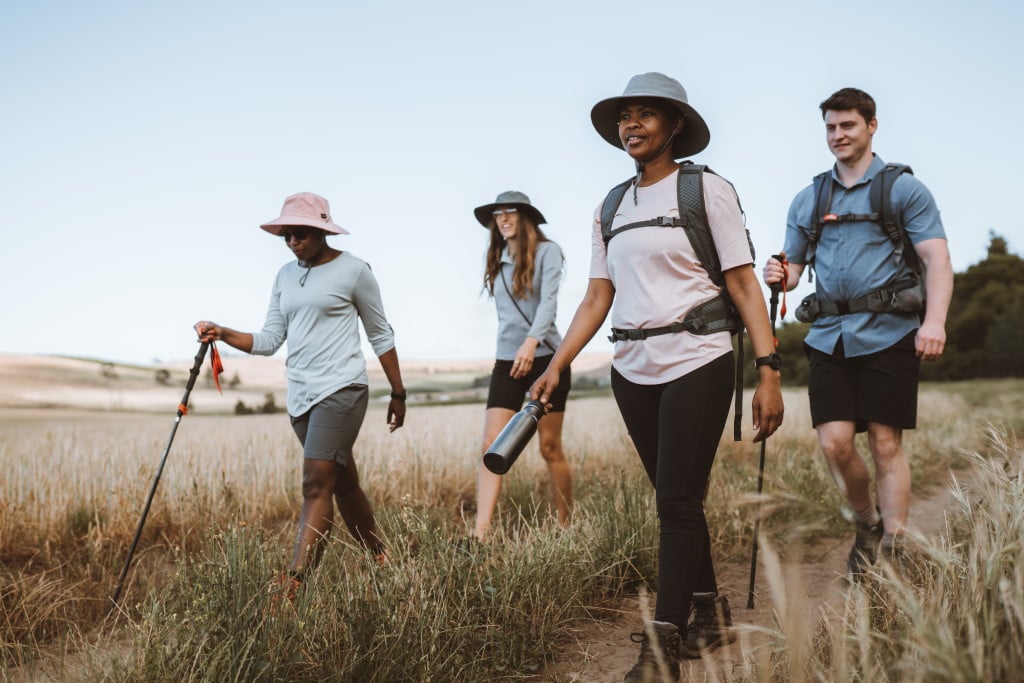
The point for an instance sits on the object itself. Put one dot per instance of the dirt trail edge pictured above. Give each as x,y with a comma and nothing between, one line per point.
603,652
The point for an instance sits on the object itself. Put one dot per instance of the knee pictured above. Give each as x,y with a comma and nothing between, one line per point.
551,449
316,484
885,445
680,510
837,449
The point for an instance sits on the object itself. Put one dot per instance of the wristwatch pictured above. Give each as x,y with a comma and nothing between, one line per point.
399,396
774,361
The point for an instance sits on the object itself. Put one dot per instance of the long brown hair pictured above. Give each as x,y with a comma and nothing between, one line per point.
528,236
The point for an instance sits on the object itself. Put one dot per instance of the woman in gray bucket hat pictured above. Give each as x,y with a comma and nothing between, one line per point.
672,372
522,273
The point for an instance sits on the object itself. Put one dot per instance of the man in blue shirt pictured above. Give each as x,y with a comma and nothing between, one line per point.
864,363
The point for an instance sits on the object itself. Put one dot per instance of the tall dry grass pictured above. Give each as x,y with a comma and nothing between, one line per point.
222,521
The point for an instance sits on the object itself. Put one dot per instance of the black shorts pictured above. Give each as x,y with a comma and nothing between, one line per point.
506,392
879,387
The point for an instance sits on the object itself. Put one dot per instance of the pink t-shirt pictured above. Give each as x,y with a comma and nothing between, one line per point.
658,279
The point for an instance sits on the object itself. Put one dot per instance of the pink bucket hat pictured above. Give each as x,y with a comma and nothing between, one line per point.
305,208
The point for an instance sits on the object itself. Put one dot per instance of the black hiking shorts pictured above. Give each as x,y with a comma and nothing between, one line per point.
879,387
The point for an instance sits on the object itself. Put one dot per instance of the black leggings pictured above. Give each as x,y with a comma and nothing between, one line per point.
676,428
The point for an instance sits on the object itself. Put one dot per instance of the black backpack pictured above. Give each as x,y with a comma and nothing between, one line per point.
882,212
901,296
715,315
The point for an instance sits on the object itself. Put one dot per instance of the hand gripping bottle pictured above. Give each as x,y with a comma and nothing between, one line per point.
502,454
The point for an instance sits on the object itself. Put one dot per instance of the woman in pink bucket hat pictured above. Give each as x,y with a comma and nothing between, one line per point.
673,365
317,302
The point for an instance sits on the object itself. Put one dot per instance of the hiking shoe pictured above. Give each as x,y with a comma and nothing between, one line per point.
711,625
646,669
865,548
285,588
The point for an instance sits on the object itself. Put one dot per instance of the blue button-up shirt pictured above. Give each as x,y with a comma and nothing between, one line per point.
855,258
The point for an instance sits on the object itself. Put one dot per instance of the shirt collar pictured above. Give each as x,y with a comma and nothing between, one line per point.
506,257
876,165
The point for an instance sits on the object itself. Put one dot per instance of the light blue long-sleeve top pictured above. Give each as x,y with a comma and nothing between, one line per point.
318,315
540,308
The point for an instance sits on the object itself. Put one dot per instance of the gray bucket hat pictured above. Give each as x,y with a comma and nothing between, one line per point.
484,213
695,134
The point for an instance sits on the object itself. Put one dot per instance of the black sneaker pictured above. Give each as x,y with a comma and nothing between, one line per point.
646,669
865,548
711,626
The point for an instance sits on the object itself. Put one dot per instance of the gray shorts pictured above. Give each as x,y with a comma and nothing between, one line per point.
328,430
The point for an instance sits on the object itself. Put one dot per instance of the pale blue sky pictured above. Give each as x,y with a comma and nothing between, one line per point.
141,144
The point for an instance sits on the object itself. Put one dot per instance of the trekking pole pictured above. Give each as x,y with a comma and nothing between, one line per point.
774,301
182,410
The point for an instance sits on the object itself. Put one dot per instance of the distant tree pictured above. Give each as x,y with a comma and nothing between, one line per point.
108,370
163,377
269,405
235,381
984,328
242,409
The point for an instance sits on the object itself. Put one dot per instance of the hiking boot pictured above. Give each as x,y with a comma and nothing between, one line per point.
646,669
865,548
711,625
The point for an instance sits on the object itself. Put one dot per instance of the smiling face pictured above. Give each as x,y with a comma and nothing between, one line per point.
849,135
506,219
646,129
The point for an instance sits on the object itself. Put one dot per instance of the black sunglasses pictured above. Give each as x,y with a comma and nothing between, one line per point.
298,233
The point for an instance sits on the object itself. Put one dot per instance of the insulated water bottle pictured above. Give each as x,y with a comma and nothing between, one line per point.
502,454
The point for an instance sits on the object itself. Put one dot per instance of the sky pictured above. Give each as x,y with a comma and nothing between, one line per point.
142,144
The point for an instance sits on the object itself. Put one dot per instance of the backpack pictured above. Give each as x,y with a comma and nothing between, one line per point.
902,296
714,315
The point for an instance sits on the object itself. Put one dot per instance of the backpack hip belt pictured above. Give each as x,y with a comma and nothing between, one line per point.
714,315
906,296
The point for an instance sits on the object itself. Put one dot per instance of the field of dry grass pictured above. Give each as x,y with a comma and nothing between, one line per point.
74,480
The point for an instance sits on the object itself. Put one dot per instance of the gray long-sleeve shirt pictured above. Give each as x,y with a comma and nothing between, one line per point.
540,308
319,320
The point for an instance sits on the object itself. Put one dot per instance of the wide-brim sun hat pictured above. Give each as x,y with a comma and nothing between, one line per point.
485,213
304,208
695,135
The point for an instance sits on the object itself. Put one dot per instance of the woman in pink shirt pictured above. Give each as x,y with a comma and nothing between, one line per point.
673,384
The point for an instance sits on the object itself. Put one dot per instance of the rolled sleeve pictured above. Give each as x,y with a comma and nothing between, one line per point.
269,339
550,278
367,299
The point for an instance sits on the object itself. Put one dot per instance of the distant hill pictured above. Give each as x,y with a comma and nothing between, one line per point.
38,381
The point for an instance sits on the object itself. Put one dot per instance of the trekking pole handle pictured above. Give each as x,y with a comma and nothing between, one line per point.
193,374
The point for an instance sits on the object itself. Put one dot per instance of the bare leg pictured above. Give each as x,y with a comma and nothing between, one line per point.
846,464
549,431
316,518
488,484
893,475
355,507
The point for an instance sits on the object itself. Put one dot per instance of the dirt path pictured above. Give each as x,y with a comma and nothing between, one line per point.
603,652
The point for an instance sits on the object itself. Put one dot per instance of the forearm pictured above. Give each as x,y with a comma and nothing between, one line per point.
240,340
938,287
389,363
748,298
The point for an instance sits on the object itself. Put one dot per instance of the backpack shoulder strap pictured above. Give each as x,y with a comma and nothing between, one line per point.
610,206
694,214
890,217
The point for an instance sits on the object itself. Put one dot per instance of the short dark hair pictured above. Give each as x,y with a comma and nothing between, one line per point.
850,98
